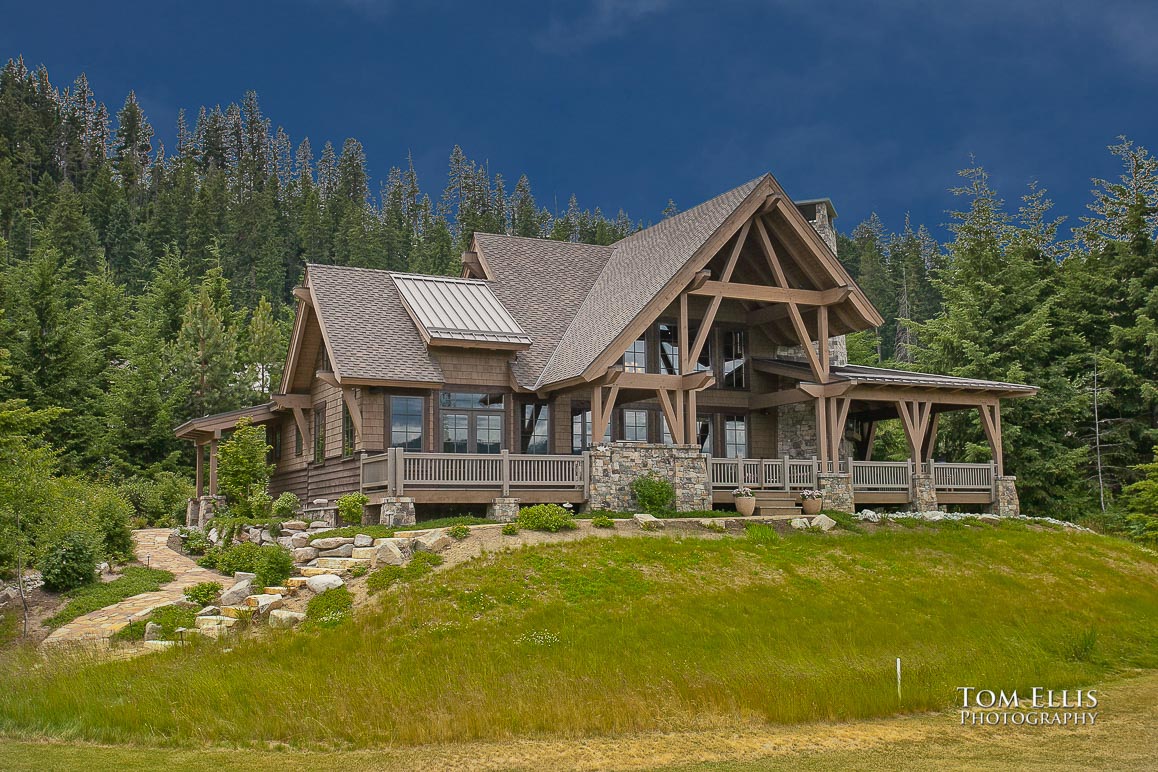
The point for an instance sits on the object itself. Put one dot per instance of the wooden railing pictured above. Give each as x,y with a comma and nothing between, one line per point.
963,477
396,470
763,473
882,475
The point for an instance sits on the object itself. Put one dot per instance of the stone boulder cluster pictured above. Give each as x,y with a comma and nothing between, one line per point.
821,522
338,554
244,603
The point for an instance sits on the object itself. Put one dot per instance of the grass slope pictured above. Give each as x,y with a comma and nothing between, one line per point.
631,634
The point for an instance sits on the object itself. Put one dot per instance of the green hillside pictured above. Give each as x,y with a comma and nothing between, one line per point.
632,634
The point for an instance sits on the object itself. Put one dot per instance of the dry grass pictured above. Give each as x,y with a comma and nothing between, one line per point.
652,635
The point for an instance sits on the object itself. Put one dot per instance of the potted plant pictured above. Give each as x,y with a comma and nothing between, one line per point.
745,500
810,501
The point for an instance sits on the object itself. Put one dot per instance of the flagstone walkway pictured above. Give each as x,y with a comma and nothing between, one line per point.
152,550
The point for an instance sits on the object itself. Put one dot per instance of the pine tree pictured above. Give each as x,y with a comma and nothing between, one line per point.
71,232
205,358
134,143
264,350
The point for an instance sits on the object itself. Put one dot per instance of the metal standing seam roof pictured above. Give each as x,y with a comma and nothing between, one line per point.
893,377
450,309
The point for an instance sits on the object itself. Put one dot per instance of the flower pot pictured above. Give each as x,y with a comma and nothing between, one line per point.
810,506
745,505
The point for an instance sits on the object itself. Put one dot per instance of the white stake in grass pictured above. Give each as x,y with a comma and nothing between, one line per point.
898,679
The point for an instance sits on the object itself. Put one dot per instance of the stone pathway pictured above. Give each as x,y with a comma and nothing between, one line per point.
152,550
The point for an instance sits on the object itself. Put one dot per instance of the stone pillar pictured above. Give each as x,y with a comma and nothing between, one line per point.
207,507
836,491
397,510
1005,502
615,468
192,509
924,493
503,509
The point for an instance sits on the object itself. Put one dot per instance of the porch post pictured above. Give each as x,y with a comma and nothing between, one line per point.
199,457
991,423
213,467
822,432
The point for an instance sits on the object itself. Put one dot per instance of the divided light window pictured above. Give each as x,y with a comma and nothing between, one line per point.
347,432
581,430
635,358
735,436
472,422
406,414
635,425
735,375
297,440
669,349
534,428
319,432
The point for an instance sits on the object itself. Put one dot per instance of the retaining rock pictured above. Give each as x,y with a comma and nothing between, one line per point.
344,551
300,539
363,540
323,582
282,618
432,541
304,554
332,542
295,525
648,522
238,592
823,522
389,554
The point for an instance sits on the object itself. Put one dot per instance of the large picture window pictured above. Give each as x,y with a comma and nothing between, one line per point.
472,422
581,430
406,415
534,428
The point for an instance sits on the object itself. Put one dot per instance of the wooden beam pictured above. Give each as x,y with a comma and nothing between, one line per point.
691,422
355,411
777,398
765,294
199,463
805,343
699,279
839,417
684,343
936,396
327,377
291,400
870,441
909,423
834,389
303,427
652,381
822,431
213,467
931,437
991,424
770,253
822,339
303,294
674,424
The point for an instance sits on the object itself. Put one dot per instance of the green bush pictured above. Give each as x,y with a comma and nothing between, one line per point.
546,517
260,504
602,521
331,608
232,558
274,565
68,562
203,594
510,529
420,565
373,531
241,465
351,507
111,511
654,495
195,540
458,531
159,498
286,505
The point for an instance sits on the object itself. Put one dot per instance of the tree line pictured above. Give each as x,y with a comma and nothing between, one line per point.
140,287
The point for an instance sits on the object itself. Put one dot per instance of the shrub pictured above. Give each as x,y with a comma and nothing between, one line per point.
458,531
286,505
602,521
158,499
274,565
196,541
1142,503
546,517
232,558
654,495
260,504
203,594
359,571
510,529
351,506
68,562
420,565
331,608
111,511
241,465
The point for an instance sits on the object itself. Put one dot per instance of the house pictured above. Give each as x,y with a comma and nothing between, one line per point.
708,347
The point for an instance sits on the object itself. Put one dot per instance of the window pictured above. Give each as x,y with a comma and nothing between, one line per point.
635,425
297,440
534,428
319,432
704,434
704,360
275,444
406,414
347,431
324,361
472,422
635,358
734,372
581,430
669,349
735,436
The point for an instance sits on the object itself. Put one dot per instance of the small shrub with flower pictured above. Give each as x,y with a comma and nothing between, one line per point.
743,492
811,494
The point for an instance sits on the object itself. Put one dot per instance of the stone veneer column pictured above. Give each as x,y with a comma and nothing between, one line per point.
397,510
207,507
503,509
924,493
1006,503
614,468
836,491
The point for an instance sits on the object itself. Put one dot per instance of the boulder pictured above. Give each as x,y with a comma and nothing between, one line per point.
647,522
264,603
319,524
332,542
153,631
364,553
204,623
267,537
432,541
209,611
237,612
213,535
799,522
345,551
239,575
389,554
362,540
103,568
295,525
282,618
237,593
988,516
300,539
285,541
323,582
304,554
823,522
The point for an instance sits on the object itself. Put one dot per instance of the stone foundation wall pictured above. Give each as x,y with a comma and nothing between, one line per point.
1007,503
836,492
924,493
614,468
397,510
503,510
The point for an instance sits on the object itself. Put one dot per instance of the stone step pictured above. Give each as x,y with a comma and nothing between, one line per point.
777,509
236,612
309,571
342,563
296,582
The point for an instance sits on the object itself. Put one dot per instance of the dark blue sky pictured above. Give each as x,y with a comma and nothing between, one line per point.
629,102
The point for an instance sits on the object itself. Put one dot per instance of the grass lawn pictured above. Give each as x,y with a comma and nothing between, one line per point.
90,597
621,636
386,531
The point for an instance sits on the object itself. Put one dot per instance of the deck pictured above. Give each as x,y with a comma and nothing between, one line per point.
477,478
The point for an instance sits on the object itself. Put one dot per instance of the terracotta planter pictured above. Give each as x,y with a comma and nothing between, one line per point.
745,505
810,506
